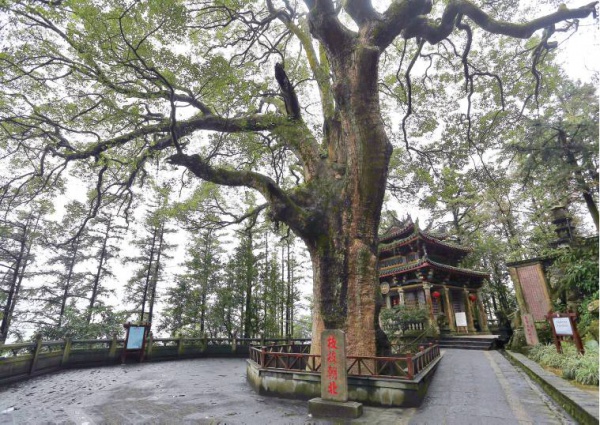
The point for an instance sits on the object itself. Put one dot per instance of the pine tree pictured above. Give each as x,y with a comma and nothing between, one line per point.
190,300
63,273
141,289
104,245
18,236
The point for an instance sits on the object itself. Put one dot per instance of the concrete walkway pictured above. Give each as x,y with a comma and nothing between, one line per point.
470,387
482,387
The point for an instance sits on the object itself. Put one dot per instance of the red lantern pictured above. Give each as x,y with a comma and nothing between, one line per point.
436,294
472,297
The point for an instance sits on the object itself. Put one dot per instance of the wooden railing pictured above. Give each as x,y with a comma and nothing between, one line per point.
20,361
406,367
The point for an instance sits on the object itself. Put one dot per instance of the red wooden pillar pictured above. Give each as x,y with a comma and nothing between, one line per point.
429,304
482,315
449,310
469,308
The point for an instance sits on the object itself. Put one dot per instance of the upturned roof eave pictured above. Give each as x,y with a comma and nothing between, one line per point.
422,263
426,237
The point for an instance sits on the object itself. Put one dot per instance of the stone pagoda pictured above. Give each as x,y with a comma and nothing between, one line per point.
419,269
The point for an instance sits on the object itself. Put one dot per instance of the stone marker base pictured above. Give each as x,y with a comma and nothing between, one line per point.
326,408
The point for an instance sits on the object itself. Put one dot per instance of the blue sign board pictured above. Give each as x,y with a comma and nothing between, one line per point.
136,337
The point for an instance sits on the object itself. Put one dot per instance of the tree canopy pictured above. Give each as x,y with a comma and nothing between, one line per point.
288,99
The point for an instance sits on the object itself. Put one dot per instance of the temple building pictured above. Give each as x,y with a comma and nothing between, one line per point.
419,269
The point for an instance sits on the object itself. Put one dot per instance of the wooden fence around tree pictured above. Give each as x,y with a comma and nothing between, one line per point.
294,358
21,361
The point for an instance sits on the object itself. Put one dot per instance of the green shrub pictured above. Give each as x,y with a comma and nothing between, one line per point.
570,366
544,333
552,359
396,321
587,370
574,366
535,353
592,330
569,349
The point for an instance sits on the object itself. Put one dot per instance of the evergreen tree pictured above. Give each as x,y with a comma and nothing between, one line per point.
18,236
245,264
141,289
64,277
227,312
559,147
189,302
104,245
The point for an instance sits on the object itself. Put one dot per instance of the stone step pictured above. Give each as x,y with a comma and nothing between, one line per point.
460,340
465,344
468,343
467,347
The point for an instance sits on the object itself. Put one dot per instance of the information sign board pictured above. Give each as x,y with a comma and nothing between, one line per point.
136,337
562,326
461,318
135,340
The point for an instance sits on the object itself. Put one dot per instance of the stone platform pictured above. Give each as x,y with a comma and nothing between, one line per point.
469,388
370,390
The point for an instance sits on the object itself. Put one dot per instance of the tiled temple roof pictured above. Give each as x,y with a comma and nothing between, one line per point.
383,247
396,231
426,262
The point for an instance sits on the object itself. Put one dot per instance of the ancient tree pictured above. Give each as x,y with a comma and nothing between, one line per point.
115,86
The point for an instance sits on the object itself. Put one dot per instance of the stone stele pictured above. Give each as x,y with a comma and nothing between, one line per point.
334,380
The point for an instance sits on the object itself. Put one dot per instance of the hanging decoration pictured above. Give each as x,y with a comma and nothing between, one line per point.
472,297
436,294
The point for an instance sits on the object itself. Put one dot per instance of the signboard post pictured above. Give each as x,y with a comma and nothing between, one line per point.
563,325
334,380
135,340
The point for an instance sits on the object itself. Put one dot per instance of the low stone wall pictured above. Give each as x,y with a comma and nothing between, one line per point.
579,404
22,361
373,391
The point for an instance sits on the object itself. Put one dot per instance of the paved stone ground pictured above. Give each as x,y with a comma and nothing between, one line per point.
470,387
482,387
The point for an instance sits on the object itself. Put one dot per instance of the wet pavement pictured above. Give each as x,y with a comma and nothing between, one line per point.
483,387
469,387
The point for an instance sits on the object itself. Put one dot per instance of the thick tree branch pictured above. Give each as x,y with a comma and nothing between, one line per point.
361,11
325,26
408,17
292,106
396,18
320,68
435,32
282,206
251,123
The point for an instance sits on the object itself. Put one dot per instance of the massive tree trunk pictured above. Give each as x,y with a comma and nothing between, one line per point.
344,251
